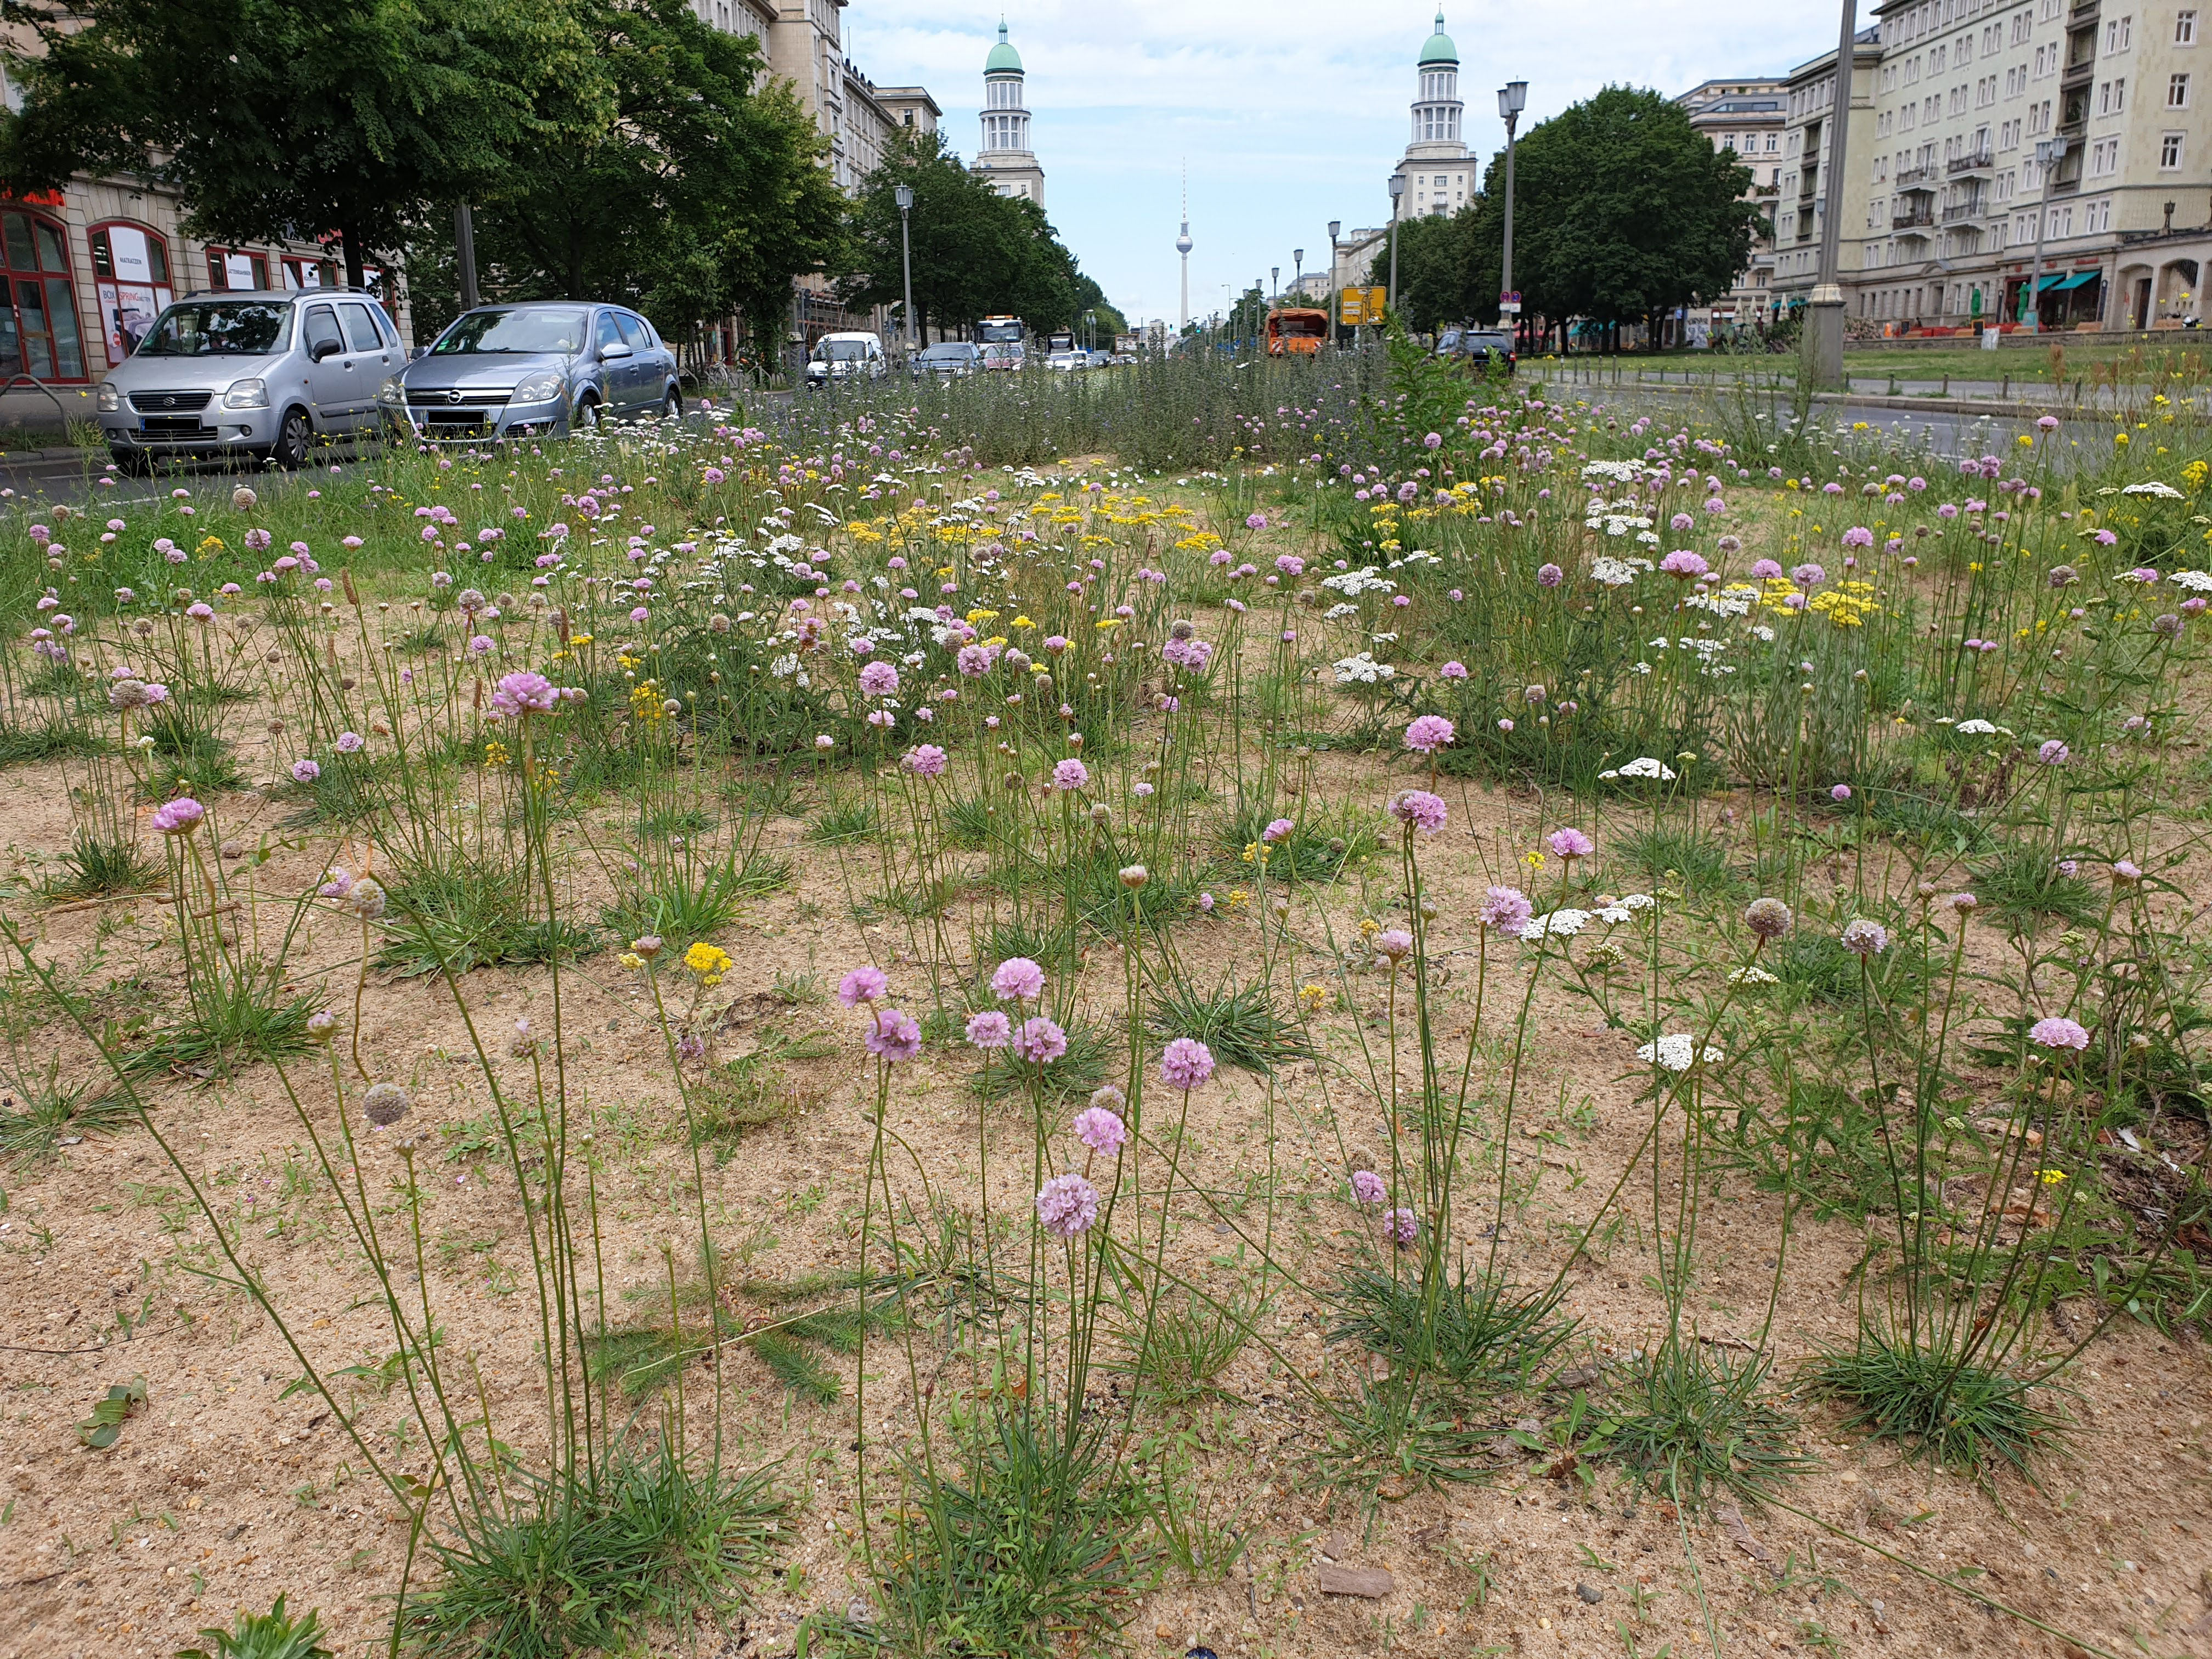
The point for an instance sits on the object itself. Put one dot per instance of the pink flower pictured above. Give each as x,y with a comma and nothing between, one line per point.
1808,575
1452,671
1280,830
925,761
1428,734
1019,978
1420,809
1684,565
863,984
179,816
523,693
990,1030
1507,910
1842,792
1366,1186
1571,843
1864,939
1067,1206
1400,1227
1549,575
2054,753
1071,774
1101,1129
1858,536
894,1035
1040,1041
1186,1063
1766,570
2057,1033
305,771
880,679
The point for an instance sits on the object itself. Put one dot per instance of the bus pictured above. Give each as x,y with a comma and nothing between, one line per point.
1297,331
1003,340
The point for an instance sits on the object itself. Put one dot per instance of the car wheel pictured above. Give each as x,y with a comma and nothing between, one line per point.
293,437
587,414
671,406
135,463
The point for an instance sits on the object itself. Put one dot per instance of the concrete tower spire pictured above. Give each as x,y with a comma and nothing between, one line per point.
1183,246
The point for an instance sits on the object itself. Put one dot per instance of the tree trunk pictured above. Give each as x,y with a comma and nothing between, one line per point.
353,254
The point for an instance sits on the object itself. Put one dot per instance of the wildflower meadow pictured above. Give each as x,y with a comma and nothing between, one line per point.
1227,1008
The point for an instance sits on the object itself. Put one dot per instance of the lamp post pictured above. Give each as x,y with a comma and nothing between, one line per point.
465,253
1824,339
904,193
1512,99
1397,193
1298,266
1274,283
2049,152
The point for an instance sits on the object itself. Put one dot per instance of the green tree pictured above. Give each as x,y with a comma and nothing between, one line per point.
1622,211
1435,254
976,254
702,196
275,119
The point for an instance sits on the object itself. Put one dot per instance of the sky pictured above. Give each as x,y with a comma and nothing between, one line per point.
1287,115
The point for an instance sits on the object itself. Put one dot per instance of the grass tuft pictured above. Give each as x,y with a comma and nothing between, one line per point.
1938,1408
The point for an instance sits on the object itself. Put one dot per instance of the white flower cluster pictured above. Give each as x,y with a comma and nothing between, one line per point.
1363,670
1353,583
1752,974
1625,471
1565,923
2196,581
1339,610
1976,728
2152,487
1616,572
1618,519
1644,766
1677,1051
1733,600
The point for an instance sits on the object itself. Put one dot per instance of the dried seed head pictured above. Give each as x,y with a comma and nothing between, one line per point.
386,1103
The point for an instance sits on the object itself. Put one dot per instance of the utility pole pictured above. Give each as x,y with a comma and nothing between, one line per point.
904,193
1397,193
2049,152
464,252
1512,99
1824,339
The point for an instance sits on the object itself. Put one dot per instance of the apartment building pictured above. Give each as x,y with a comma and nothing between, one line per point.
1815,182
1747,120
1968,91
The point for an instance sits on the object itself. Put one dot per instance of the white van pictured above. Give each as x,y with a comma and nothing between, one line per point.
854,356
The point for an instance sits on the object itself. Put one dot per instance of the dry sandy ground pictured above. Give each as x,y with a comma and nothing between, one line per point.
221,1494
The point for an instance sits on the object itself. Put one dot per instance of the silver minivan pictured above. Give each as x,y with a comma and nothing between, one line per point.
263,374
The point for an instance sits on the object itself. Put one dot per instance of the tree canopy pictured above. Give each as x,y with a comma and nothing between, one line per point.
976,254
1621,210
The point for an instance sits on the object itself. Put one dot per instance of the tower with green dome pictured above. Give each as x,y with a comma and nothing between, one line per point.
1005,159
1439,169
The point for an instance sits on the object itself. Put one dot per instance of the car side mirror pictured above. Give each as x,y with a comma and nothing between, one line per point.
323,349
611,352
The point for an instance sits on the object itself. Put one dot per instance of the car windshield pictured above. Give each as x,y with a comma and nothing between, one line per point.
1486,342
206,328
513,333
844,351
946,354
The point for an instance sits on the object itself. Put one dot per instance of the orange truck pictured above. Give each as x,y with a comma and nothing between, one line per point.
1297,331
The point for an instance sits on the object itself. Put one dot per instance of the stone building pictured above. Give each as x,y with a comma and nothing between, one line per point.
1438,168
1745,119
1005,157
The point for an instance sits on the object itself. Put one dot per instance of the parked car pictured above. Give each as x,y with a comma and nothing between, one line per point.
541,368
845,357
1100,359
261,373
1003,355
1068,359
948,360
1479,348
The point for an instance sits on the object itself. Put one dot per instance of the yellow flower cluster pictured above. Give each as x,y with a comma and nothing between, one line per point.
495,754
709,962
645,701
1847,605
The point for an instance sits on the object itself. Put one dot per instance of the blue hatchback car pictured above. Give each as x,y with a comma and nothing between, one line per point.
542,368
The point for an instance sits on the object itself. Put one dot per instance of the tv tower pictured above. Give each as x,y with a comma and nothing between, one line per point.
1182,247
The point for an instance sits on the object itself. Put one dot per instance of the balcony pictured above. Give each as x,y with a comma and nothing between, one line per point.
1981,160
1961,211
1917,178
1911,219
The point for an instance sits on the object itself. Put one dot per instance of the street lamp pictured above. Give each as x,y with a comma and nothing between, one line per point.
904,195
1512,99
1397,193
1274,283
2049,152
1298,268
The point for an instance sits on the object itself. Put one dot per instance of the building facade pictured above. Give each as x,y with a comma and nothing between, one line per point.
1747,120
1004,158
1438,168
1816,182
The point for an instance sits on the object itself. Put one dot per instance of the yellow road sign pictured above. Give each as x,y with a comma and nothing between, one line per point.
1357,306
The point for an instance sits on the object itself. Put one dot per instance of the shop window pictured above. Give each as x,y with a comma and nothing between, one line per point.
309,273
130,278
37,309
236,269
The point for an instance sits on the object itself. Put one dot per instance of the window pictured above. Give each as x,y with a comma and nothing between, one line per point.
2184,28
609,335
2177,92
131,280
320,333
38,307
301,273
2104,97
233,268
360,330
2022,21
2119,94
2169,151
2104,157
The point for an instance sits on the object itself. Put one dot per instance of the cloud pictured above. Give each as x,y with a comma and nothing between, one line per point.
1288,114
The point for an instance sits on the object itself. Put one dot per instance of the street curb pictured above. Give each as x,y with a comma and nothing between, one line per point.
1870,400
18,457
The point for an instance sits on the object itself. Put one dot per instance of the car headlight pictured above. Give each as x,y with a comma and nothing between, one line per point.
246,394
392,394
110,399
817,368
539,388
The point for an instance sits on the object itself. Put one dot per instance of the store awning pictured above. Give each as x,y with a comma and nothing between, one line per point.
2049,282
2079,277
